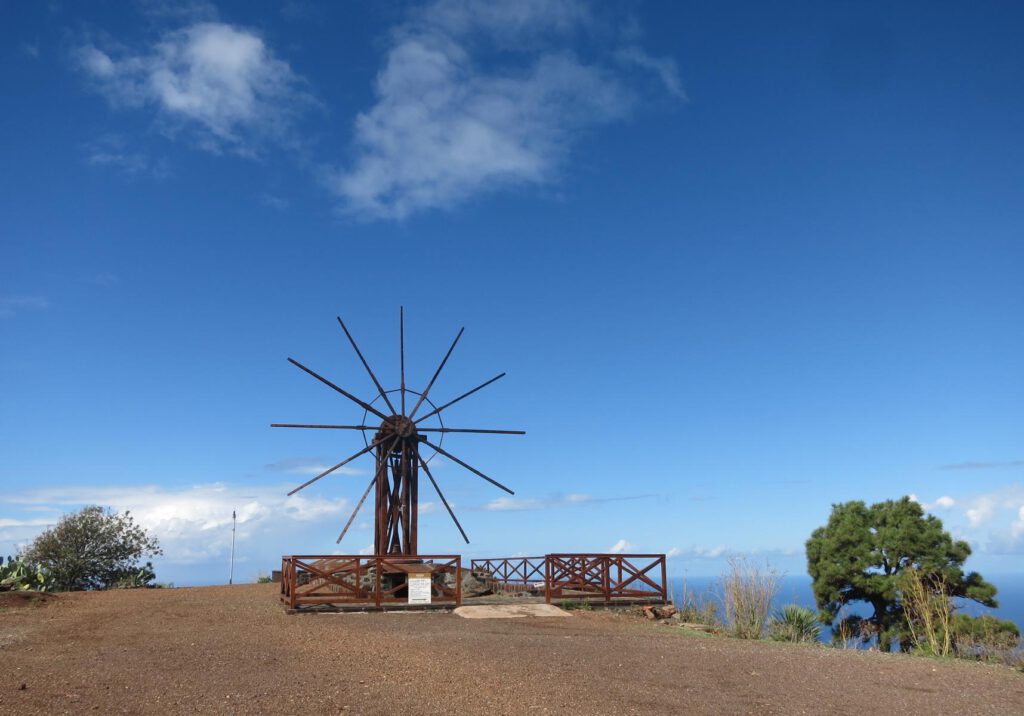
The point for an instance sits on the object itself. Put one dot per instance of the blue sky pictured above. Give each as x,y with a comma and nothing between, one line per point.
740,262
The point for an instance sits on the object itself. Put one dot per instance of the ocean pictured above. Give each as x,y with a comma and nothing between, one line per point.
796,589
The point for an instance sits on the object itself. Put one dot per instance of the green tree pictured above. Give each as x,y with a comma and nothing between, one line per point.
860,554
94,548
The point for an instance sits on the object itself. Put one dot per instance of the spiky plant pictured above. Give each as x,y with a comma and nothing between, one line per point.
794,623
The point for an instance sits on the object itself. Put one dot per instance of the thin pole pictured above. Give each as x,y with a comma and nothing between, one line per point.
231,574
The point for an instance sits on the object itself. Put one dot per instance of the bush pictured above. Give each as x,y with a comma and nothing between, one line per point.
928,607
987,638
747,595
17,575
698,609
794,623
94,549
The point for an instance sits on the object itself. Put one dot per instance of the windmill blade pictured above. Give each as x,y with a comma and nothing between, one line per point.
437,372
325,427
468,467
401,347
366,365
464,395
328,471
440,494
365,406
365,495
470,430
356,510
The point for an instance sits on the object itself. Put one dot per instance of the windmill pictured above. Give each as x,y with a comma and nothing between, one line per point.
397,444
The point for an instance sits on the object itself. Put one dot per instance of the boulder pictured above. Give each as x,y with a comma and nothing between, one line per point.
475,584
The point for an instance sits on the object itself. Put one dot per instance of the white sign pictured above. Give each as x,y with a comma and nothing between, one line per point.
419,589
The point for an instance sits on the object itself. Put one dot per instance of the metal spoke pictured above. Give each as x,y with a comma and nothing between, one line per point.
401,347
365,406
356,510
327,427
436,373
440,494
453,402
471,430
467,466
366,449
366,365
365,495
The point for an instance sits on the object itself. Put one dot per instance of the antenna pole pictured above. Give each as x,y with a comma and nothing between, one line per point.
231,574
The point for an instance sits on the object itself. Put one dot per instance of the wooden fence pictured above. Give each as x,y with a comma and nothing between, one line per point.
377,581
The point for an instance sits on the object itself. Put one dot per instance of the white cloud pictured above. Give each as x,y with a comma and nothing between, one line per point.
218,81
444,129
1017,528
674,552
621,546
10,305
192,524
945,502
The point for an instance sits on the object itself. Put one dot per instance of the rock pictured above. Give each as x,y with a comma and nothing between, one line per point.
664,612
649,612
475,584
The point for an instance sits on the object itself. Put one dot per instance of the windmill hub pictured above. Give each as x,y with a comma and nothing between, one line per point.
398,425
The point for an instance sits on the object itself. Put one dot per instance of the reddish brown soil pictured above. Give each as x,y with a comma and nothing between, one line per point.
233,650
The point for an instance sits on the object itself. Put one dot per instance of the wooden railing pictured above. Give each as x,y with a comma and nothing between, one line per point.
605,576
370,581
512,574
581,576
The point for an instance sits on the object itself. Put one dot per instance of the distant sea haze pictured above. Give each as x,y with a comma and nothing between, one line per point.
796,589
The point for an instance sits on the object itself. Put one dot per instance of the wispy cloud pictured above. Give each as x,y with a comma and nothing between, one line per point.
104,279
454,119
30,49
219,83
10,305
311,466
982,464
275,202
113,151
505,504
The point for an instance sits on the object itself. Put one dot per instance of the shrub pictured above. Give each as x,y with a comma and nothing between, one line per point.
794,623
987,638
928,608
94,549
698,609
747,595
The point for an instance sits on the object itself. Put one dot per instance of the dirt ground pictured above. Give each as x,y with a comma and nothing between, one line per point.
234,650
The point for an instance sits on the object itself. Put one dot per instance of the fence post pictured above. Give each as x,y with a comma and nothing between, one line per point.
376,594
547,578
458,581
664,580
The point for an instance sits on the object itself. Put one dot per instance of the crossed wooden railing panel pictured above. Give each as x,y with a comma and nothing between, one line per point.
310,580
511,573
582,576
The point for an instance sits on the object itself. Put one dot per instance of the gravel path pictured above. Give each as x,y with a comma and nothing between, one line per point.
233,650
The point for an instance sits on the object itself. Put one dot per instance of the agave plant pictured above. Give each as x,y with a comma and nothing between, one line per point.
794,623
